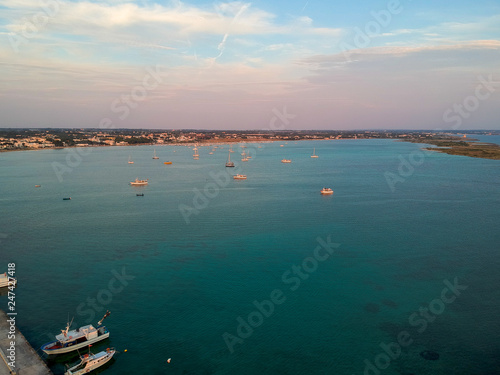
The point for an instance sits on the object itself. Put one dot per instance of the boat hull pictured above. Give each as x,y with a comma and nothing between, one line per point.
71,348
6,283
87,369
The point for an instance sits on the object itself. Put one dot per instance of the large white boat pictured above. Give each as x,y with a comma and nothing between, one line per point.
78,338
6,280
138,182
89,362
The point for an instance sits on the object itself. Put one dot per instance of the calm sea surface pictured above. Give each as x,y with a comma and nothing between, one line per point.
410,252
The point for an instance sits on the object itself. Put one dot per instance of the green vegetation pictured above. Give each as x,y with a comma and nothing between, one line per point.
137,140
463,148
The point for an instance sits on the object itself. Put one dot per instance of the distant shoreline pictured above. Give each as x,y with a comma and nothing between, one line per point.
451,146
460,147
201,143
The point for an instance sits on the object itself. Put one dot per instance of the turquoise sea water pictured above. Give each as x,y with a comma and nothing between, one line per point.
188,283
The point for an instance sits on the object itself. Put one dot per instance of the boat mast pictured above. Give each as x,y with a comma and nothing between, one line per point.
65,331
104,317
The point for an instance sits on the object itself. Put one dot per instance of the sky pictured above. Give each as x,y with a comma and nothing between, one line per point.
270,65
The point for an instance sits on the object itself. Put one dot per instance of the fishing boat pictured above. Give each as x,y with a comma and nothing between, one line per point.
167,162
78,338
286,161
154,155
38,185
130,160
326,191
67,199
6,280
89,362
138,182
240,177
140,195
314,153
229,163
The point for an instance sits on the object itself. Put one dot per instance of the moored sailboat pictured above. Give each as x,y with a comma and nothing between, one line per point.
229,163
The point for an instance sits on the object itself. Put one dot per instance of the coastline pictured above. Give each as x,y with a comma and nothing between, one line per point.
452,146
187,144
459,147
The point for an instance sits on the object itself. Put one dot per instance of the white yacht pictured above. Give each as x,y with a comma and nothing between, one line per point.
89,362
138,182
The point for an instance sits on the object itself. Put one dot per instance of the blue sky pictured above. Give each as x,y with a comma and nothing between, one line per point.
232,65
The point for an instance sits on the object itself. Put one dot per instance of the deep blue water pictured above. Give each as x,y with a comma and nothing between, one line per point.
189,282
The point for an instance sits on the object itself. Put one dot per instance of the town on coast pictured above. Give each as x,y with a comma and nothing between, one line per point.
34,139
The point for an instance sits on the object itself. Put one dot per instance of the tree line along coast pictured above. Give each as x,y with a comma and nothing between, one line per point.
454,143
